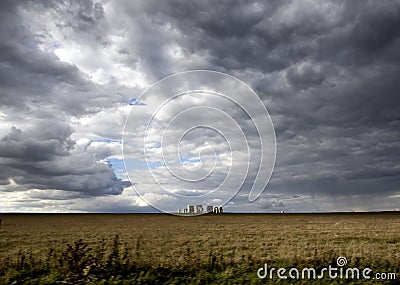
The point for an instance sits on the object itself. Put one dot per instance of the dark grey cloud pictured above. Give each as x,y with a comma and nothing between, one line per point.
45,157
329,75
43,143
328,72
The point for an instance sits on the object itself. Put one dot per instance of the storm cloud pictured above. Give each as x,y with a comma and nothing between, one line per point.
327,71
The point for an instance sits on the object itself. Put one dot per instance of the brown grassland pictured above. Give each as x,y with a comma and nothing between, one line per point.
209,249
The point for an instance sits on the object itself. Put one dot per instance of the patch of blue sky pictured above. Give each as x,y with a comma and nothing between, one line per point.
192,159
121,174
135,102
153,145
155,164
118,166
133,164
116,163
107,140
54,46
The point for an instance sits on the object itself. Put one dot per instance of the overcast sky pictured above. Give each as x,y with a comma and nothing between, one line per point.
327,71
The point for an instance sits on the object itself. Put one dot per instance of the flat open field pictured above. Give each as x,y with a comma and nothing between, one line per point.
230,240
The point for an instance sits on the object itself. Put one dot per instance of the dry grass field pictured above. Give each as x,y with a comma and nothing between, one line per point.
233,241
